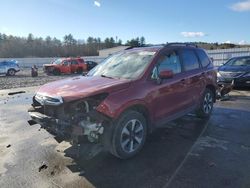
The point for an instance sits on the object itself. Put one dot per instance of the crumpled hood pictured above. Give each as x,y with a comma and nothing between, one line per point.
80,87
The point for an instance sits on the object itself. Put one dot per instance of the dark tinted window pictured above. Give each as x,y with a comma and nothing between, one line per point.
190,61
239,62
167,62
65,63
203,58
5,63
74,63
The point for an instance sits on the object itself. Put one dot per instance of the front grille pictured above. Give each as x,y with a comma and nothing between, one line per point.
231,74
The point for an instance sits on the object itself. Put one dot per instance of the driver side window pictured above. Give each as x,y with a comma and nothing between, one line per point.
170,61
66,63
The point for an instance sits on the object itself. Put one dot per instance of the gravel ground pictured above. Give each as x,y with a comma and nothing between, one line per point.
24,79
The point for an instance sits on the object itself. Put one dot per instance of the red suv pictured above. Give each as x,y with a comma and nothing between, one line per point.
65,66
123,99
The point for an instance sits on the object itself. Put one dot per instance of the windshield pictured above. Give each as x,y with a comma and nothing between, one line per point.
127,65
57,61
239,62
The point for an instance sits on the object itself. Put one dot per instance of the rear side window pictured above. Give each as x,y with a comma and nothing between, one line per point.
203,58
190,61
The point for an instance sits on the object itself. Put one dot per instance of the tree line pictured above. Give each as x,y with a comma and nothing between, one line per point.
30,46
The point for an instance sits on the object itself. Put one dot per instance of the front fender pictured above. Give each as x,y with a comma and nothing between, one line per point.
113,109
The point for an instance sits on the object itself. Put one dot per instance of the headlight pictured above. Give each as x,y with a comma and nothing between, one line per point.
218,74
220,78
47,100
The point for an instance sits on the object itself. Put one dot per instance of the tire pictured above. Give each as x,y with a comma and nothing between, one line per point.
129,135
56,72
11,72
206,106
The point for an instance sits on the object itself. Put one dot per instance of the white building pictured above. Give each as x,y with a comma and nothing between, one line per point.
108,51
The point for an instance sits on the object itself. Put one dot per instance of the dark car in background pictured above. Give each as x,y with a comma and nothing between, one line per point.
90,65
236,70
9,67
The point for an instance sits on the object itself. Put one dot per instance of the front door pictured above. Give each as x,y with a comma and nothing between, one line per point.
66,67
168,97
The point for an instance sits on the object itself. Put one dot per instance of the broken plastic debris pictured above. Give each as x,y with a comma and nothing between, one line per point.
43,166
14,93
32,122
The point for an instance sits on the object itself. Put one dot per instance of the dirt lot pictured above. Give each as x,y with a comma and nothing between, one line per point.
188,152
24,79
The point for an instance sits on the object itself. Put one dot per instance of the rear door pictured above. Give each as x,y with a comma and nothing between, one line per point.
193,75
74,65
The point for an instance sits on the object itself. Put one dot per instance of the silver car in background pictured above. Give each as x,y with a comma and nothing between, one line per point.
9,68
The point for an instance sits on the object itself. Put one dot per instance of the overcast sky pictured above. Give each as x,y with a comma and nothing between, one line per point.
158,21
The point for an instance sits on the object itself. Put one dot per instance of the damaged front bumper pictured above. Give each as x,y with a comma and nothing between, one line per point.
71,122
51,124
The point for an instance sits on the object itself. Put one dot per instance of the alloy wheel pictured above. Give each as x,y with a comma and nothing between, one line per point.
208,103
11,72
132,136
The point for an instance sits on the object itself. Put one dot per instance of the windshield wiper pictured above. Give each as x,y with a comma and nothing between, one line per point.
104,76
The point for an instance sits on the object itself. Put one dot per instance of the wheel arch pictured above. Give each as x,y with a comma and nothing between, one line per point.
10,70
143,110
56,70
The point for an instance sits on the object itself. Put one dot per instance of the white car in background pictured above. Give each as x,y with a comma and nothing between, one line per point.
9,68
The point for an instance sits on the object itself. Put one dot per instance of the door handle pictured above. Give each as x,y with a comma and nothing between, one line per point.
183,81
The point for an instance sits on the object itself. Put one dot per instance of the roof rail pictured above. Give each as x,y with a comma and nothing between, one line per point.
146,46
181,44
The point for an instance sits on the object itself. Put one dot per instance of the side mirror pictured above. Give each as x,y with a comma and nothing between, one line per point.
165,74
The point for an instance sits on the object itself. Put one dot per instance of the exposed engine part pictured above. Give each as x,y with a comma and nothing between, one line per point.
92,130
224,89
75,121
87,108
